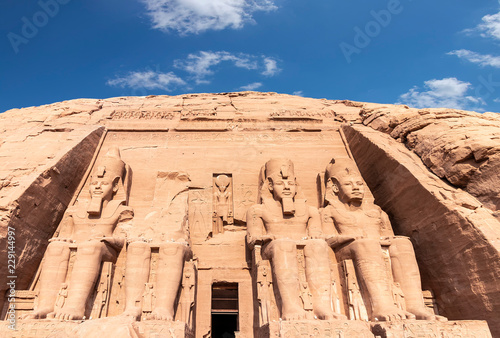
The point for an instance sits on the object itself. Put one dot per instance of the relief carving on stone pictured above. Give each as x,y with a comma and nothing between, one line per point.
199,214
223,213
360,231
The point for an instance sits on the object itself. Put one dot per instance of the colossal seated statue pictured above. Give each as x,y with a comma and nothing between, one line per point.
90,230
358,229
280,223
170,235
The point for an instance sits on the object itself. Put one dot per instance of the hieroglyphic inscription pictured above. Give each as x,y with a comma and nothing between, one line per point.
305,292
199,211
310,328
142,115
421,328
303,113
226,136
34,329
160,328
197,113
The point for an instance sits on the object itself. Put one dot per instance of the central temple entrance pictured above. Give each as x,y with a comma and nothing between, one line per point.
224,310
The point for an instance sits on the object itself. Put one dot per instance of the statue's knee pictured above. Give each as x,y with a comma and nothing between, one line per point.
400,245
402,242
171,249
57,249
89,248
284,246
366,246
138,248
315,247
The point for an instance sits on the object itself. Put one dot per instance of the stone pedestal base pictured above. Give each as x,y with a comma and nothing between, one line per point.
159,328
359,329
424,328
39,328
104,328
316,328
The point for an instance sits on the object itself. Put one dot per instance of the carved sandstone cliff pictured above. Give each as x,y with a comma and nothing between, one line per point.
435,172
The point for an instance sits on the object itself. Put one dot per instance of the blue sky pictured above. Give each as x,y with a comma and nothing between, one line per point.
424,53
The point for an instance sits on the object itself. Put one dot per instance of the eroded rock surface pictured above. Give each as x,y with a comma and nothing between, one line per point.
459,146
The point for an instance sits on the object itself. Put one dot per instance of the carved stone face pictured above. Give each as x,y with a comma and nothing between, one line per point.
350,188
282,188
102,187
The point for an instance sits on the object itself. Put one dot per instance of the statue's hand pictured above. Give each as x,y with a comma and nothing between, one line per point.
113,241
385,241
266,238
259,240
336,241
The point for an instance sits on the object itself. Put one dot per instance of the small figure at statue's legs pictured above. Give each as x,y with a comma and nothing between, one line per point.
85,272
54,269
319,279
169,275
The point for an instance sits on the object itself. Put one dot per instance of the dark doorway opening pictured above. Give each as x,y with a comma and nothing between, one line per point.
224,325
224,310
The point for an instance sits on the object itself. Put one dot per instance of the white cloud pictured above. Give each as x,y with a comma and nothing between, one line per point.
481,59
444,93
251,86
196,16
497,100
148,80
298,93
201,64
271,67
490,27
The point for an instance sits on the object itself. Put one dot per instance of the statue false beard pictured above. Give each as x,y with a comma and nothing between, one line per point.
288,206
95,205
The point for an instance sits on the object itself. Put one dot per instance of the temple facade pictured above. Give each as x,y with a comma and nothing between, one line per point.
273,222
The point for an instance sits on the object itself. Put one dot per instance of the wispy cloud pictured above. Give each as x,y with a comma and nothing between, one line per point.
201,64
252,86
480,59
196,16
444,93
298,93
148,80
489,28
271,67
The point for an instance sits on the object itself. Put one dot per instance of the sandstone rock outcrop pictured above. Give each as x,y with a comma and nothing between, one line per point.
435,172
459,146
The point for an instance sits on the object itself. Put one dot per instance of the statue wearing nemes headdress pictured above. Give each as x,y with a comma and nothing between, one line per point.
280,223
357,229
90,229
